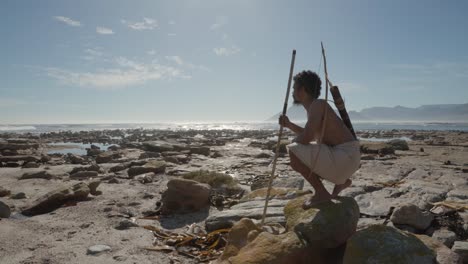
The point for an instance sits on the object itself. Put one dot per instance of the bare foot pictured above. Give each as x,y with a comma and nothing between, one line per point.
315,200
339,187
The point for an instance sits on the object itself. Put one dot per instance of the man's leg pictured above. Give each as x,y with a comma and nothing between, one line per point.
321,193
339,187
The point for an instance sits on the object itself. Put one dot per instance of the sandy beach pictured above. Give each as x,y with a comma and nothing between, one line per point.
133,169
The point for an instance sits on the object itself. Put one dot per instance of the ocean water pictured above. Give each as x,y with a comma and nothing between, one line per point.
43,128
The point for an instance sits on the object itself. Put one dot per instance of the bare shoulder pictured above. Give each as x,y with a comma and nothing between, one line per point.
318,106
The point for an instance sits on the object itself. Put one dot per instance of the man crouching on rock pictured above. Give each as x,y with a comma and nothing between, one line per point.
336,158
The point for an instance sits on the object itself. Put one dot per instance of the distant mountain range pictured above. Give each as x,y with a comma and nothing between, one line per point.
426,113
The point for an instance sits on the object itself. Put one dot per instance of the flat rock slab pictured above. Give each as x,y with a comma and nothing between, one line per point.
250,209
36,175
54,199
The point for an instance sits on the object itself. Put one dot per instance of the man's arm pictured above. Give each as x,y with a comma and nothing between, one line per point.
284,121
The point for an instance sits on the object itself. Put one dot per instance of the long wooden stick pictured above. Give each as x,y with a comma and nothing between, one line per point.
280,133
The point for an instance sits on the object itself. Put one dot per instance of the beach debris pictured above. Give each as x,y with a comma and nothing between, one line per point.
193,243
457,206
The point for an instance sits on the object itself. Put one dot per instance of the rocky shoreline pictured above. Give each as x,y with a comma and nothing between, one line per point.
91,207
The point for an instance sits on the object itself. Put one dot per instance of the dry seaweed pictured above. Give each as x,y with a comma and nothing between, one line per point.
197,245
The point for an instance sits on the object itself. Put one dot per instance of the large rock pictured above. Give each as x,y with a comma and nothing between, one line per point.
443,254
5,211
410,214
461,248
274,249
445,236
36,175
107,156
75,159
18,146
25,158
398,144
250,209
161,146
4,192
155,166
252,205
184,196
56,198
382,244
92,167
326,225
239,236
377,148
200,150
84,174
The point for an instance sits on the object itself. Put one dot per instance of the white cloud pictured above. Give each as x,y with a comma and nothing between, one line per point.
146,24
175,59
226,51
104,31
225,36
68,21
171,22
124,73
151,52
221,21
172,34
180,62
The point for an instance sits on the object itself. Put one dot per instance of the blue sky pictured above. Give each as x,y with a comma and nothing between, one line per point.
188,60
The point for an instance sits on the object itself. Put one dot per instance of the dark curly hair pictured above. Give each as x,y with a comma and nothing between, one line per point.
310,81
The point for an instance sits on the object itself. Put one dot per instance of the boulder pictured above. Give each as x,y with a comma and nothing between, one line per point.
56,198
24,158
92,185
238,237
36,175
92,167
200,150
84,174
274,249
4,192
461,248
410,214
445,236
250,209
185,196
75,159
31,164
443,254
326,225
161,146
108,156
155,166
398,144
384,244
376,148
5,211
